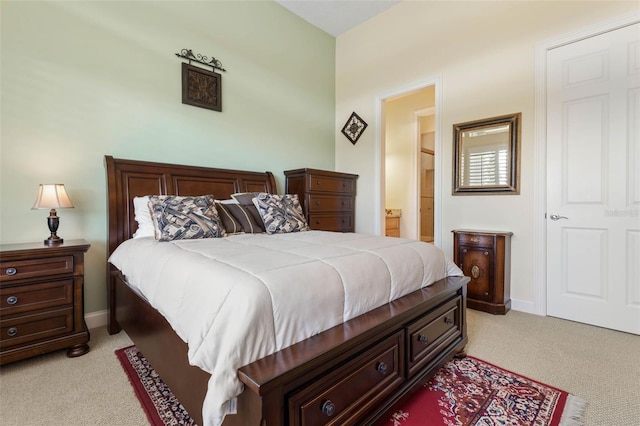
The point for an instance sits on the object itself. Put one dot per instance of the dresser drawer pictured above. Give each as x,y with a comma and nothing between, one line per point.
317,182
29,328
32,297
431,334
12,270
331,222
341,397
476,240
328,203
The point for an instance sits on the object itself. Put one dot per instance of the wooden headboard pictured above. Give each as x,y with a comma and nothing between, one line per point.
127,179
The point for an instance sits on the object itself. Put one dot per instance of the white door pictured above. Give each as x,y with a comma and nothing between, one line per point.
593,180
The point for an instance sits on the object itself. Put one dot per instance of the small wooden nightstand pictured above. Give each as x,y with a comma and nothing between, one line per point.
42,299
485,256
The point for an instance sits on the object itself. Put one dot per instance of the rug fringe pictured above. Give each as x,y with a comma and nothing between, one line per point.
573,412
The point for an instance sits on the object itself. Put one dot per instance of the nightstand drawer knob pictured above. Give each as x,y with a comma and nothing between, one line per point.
12,300
12,271
423,339
382,368
448,320
12,331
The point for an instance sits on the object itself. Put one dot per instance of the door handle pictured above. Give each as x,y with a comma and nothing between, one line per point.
557,217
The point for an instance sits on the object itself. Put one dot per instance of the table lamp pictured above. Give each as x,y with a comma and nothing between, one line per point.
52,196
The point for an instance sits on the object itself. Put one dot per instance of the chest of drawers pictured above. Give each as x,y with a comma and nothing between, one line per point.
328,198
485,257
42,300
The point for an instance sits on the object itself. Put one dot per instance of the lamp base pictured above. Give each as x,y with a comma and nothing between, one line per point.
52,241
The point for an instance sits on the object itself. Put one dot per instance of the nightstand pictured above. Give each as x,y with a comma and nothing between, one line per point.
42,299
485,257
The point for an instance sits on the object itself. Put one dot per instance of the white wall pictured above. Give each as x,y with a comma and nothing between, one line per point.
484,54
84,79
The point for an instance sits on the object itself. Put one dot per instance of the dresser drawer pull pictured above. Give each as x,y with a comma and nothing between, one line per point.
329,408
12,271
486,253
474,239
319,183
317,203
448,320
423,339
12,331
464,250
382,368
12,300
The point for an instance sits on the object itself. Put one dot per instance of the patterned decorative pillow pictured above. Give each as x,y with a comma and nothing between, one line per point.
181,217
280,213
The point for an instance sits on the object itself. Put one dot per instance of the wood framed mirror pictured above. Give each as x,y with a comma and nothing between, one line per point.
486,156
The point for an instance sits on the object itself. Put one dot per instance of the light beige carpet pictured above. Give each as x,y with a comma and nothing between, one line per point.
595,364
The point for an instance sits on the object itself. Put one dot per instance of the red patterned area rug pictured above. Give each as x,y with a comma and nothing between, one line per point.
157,400
465,392
471,392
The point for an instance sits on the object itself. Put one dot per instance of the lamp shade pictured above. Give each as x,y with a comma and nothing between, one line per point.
52,196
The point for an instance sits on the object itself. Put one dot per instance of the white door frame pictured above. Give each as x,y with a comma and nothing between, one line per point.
379,172
540,154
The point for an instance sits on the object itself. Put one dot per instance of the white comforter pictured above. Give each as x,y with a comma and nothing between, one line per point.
239,298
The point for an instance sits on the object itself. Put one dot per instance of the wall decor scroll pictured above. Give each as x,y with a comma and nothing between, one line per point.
201,87
354,127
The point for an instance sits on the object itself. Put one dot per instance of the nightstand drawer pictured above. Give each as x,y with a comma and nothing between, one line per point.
12,270
335,222
476,240
329,203
29,328
432,333
32,297
330,184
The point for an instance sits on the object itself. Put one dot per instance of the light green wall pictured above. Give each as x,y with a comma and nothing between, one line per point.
83,79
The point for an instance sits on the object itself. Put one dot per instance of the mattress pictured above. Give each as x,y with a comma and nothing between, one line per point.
236,299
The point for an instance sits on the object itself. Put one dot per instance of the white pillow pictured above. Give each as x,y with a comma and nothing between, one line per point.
143,217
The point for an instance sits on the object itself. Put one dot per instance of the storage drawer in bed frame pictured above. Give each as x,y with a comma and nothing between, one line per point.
357,384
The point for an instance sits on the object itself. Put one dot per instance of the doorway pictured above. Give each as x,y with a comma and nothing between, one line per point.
410,164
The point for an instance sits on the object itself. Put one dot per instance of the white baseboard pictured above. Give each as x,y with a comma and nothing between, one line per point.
524,306
96,319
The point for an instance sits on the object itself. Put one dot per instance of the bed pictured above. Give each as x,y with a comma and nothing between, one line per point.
349,373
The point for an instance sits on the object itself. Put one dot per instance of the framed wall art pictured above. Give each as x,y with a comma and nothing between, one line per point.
354,127
201,88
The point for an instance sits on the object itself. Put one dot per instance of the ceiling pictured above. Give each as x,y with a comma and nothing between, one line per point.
337,16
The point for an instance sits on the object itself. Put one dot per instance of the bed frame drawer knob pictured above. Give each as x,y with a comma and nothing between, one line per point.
12,331
12,300
329,408
11,271
382,368
423,339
